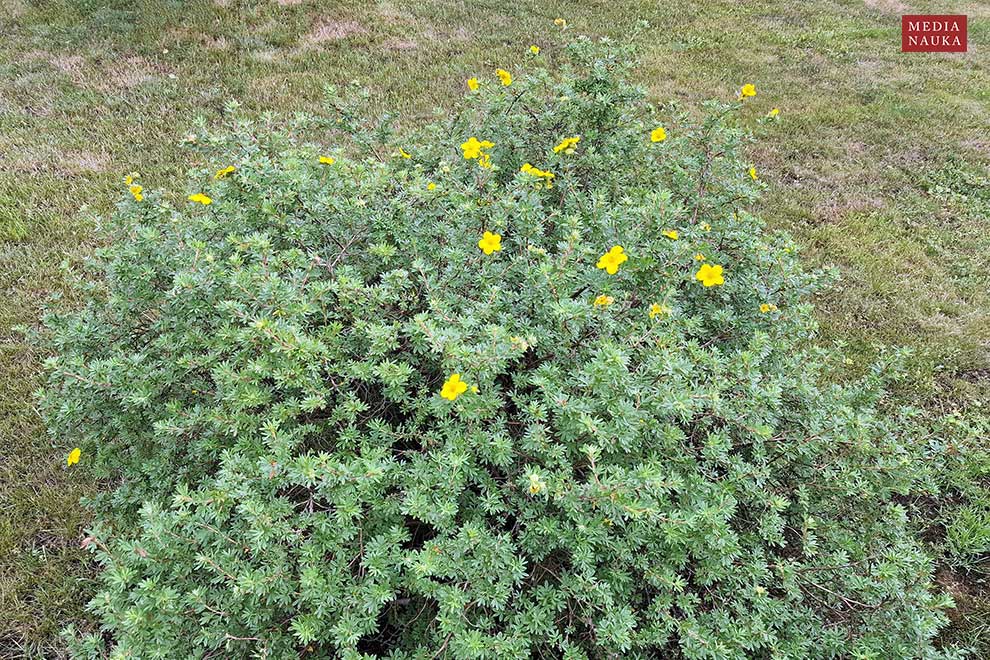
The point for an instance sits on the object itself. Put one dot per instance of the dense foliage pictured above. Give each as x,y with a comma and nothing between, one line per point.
641,458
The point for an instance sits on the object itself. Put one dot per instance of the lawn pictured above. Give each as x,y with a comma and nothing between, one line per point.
879,165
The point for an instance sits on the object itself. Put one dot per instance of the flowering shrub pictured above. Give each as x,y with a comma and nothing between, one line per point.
530,383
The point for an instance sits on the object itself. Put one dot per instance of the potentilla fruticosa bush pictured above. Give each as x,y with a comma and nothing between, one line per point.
530,382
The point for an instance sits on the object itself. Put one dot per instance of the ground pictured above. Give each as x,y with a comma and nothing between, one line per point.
879,165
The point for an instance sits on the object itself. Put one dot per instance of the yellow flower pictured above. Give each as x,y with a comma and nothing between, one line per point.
504,76
546,175
404,153
774,112
73,456
710,275
327,160
453,387
699,257
201,198
604,301
431,186
658,134
227,170
752,173
536,484
472,84
473,148
747,90
136,191
671,234
474,389
534,49
567,145
768,307
490,242
706,226
559,22
656,309
611,260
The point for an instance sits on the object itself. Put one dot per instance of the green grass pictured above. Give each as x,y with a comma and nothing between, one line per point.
878,165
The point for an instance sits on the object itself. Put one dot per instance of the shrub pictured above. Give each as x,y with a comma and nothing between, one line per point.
634,463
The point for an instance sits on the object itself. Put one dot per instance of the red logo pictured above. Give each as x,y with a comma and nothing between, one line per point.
934,33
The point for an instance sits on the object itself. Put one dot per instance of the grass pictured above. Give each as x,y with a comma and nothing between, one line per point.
879,165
